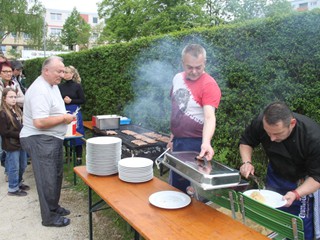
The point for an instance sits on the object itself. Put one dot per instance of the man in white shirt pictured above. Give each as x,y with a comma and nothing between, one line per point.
45,124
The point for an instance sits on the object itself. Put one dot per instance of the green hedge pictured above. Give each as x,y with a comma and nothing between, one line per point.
254,63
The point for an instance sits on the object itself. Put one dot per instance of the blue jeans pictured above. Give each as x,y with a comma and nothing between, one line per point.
16,163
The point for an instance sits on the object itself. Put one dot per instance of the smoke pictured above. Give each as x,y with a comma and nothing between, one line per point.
155,68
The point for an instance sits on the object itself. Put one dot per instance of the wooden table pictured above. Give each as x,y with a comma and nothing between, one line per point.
87,124
71,146
130,201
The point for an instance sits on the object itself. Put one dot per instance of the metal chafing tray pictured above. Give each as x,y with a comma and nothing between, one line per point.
214,175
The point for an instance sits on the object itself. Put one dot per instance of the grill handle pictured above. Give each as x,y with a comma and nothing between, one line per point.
158,161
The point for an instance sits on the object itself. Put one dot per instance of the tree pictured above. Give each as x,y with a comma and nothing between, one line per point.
129,19
53,43
75,31
22,17
215,11
278,8
250,9
96,31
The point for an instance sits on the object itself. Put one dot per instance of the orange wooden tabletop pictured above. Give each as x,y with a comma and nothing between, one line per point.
196,221
69,137
87,124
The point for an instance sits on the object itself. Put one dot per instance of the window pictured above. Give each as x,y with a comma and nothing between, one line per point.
95,20
56,16
28,48
312,4
55,31
303,5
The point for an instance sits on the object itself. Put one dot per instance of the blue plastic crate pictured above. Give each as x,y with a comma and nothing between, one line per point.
125,121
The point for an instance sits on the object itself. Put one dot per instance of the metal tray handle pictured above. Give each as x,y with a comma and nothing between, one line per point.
158,161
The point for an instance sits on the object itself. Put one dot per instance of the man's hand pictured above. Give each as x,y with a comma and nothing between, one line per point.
290,197
246,154
246,169
206,151
68,118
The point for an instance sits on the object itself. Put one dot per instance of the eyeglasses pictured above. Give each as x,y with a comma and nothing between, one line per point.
6,72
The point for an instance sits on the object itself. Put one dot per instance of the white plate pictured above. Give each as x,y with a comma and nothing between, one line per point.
273,199
104,140
169,199
135,162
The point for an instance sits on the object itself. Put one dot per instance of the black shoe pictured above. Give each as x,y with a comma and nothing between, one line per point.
24,187
18,193
61,222
62,211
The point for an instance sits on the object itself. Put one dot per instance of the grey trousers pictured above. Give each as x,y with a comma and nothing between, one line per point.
46,153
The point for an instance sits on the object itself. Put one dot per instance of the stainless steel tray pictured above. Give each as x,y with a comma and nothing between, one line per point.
107,122
213,176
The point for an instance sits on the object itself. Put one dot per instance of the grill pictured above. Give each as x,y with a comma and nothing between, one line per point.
129,149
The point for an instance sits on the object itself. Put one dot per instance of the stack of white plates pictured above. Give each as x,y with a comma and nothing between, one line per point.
135,169
103,155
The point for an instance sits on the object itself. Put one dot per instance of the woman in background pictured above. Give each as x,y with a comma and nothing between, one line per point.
16,157
6,82
6,76
73,96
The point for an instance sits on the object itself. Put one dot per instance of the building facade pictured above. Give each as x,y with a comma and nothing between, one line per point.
305,5
55,20
53,24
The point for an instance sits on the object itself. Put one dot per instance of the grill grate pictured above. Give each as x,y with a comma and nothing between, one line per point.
150,150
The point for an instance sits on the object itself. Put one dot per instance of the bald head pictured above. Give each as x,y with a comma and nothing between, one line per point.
53,70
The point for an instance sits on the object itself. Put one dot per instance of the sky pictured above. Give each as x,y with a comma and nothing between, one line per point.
81,5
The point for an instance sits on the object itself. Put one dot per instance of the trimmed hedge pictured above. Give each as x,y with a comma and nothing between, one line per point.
254,63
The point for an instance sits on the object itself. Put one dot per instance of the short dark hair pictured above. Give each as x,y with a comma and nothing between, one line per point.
194,50
17,65
276,112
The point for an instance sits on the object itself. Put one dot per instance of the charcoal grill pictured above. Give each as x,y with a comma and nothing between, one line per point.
129,149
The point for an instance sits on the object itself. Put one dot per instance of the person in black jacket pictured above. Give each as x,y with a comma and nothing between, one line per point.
16,157
73,97
291,142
